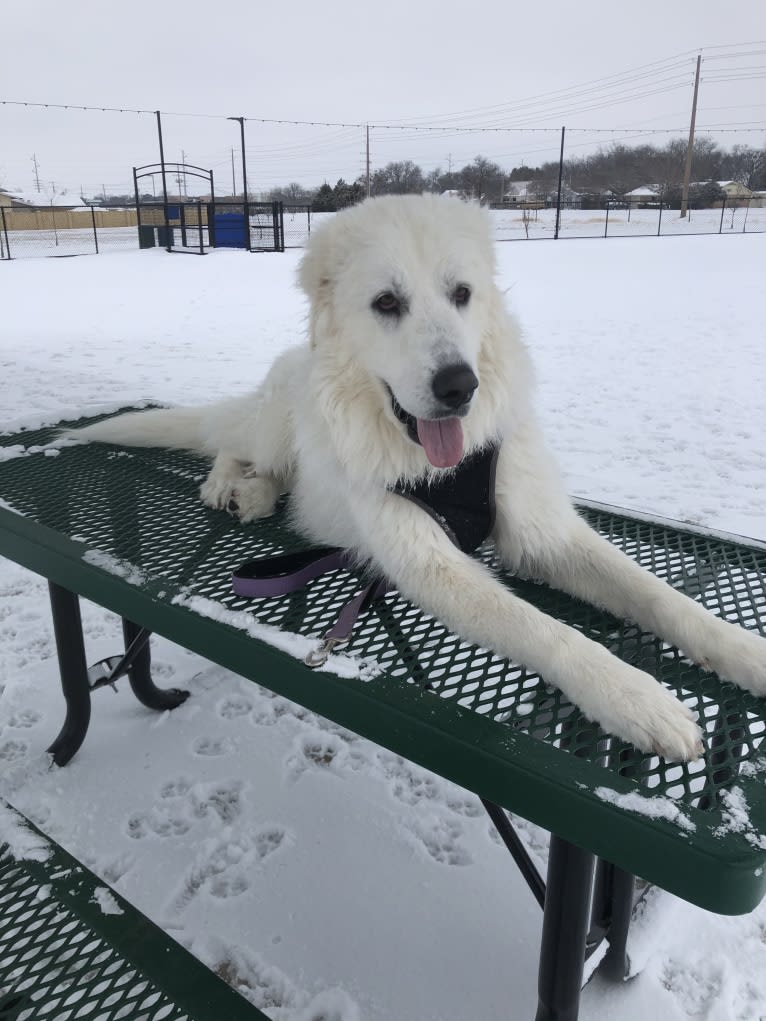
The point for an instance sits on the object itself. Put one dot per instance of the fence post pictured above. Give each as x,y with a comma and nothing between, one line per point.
606,222
308,211
275,224
199,224
5,231
558,193
95,235
211,224
723,210
659,220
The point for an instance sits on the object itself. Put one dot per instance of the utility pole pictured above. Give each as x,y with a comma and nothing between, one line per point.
168,245
368,161
690,149
233,178
246,202
37,171
183,165
558,192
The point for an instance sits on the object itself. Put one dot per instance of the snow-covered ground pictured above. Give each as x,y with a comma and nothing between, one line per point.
327,877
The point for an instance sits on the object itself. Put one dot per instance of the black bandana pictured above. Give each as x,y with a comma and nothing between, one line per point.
462,502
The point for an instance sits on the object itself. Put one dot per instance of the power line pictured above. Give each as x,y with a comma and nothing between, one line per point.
536,99
72,106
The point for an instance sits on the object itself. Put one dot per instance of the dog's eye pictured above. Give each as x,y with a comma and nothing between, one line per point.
387,304
461,295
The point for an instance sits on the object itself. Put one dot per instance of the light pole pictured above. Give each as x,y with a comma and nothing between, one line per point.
241,121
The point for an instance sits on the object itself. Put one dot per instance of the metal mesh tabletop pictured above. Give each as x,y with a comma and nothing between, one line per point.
488,724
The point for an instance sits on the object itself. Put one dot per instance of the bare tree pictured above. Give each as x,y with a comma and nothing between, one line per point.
399,178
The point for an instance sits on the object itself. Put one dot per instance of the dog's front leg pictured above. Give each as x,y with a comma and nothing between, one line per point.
577,560
418,557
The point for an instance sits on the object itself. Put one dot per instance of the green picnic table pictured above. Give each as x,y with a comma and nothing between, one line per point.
125,528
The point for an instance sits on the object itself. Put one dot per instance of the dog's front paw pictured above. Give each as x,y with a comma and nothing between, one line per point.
216,491
253,498
669,729
652,719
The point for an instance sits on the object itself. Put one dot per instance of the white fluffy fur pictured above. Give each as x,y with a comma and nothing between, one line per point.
321,425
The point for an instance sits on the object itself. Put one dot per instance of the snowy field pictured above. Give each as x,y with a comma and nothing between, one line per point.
595,223
508,225
326,877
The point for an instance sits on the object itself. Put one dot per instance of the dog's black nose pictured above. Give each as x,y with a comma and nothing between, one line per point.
454,385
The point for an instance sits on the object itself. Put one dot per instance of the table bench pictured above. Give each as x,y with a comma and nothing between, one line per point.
69,947
125,529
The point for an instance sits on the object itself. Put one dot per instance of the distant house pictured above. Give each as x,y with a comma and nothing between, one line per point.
569,198
646,194
520,192
19,198
734,190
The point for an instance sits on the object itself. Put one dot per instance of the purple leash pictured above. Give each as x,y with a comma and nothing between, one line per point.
278,576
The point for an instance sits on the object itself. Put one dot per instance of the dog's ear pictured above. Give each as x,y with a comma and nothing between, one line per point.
315,274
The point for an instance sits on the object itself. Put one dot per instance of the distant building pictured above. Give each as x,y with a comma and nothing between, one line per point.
19,198
734,190
519,192
645,195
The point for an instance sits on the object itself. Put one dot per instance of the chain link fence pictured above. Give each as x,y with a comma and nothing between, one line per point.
52,230
198,226
609,219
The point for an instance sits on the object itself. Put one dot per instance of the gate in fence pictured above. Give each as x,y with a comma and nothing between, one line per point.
254,226
176,223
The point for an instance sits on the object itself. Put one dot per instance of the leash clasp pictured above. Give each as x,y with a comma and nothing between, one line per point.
319,656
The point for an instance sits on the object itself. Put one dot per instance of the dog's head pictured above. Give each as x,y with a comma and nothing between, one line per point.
403,288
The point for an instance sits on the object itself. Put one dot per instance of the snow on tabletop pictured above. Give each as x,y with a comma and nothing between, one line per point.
52,449
298,646
653,808
22,842
113,565
736,818
9,507
106,901
46,420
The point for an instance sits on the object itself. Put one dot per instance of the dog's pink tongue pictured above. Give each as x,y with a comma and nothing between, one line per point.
442,440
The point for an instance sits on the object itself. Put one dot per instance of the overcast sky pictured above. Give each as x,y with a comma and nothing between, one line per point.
586,65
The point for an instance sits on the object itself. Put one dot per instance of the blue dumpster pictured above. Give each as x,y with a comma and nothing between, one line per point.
230,230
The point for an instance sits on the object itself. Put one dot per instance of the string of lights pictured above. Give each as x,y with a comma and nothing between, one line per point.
454,128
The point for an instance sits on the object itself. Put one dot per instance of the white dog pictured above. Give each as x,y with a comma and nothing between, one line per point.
413,366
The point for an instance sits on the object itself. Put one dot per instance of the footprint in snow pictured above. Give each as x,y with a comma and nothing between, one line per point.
181,805
234,706
24,718
211,747
13,750
226,869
